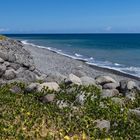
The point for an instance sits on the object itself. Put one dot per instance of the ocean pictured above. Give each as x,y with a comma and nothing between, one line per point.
114,51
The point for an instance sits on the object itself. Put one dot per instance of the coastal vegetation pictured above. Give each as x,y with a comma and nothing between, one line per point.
23,116
2,37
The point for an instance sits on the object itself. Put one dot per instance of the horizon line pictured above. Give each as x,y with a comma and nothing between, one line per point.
71,33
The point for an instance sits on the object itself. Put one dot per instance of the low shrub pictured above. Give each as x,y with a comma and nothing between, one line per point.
23,116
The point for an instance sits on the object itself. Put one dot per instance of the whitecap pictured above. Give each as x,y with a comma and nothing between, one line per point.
91,58
25,42
116,64
78,55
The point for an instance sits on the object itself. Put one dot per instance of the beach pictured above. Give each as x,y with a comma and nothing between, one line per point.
118,52
40,83
57,65
70,70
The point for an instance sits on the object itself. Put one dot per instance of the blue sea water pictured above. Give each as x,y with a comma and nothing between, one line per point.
115,51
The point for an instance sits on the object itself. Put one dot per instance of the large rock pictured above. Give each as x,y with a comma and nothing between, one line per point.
15,66
16,89
9,74
49,85
32,68
131,85
2,69
103,125
123,86
104,79
26,74
109,93
87,81
1,60
6,63
41,78
11,57
26,64
20,71
47,98
131,95
4,55
110,86
32,87
38,72
76,80
126,86
136,112
55,77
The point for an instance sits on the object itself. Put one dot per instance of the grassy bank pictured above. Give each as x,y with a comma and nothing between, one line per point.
23,116
2,37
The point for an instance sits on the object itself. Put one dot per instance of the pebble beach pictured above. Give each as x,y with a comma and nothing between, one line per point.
57,65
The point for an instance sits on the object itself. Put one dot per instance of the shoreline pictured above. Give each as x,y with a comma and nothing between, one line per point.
116,72
85,60
113,71
64,65
108,69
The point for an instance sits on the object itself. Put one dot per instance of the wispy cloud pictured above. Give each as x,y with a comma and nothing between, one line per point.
4,29
108,28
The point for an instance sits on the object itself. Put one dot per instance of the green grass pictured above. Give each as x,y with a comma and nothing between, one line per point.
2,37
23,116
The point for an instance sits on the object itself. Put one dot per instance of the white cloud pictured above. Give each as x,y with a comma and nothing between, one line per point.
4,29
108,28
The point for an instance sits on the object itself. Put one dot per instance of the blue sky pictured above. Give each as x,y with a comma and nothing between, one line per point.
69,16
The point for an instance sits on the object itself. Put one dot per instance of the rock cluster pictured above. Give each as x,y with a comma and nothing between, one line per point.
109,87
16,64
